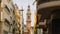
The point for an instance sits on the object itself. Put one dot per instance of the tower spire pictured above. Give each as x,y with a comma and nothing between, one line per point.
28,20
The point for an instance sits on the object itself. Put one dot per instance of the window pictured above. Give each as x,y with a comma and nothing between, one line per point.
7,8
7,21
28,17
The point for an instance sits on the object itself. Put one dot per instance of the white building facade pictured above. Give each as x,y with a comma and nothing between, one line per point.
7,16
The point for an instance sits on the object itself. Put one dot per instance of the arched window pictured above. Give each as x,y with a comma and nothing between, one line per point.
28,17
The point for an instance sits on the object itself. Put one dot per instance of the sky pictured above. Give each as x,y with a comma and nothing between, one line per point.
24,4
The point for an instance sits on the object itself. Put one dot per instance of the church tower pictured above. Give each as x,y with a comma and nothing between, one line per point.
28,18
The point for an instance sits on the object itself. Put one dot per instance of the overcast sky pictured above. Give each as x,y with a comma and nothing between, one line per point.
24,4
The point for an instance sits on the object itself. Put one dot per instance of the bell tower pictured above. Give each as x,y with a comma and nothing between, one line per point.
28,18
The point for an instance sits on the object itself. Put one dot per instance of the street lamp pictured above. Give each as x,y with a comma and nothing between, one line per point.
22,21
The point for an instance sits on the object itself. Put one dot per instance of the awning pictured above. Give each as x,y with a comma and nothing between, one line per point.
49,4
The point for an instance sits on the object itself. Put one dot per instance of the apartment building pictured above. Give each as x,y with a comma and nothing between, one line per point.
16,24
6,17
48,10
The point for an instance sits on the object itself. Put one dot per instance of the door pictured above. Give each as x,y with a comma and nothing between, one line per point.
56,26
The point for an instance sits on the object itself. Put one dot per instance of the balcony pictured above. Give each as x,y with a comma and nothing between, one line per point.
44,1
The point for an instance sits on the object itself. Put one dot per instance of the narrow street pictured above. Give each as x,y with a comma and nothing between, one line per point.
29,16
